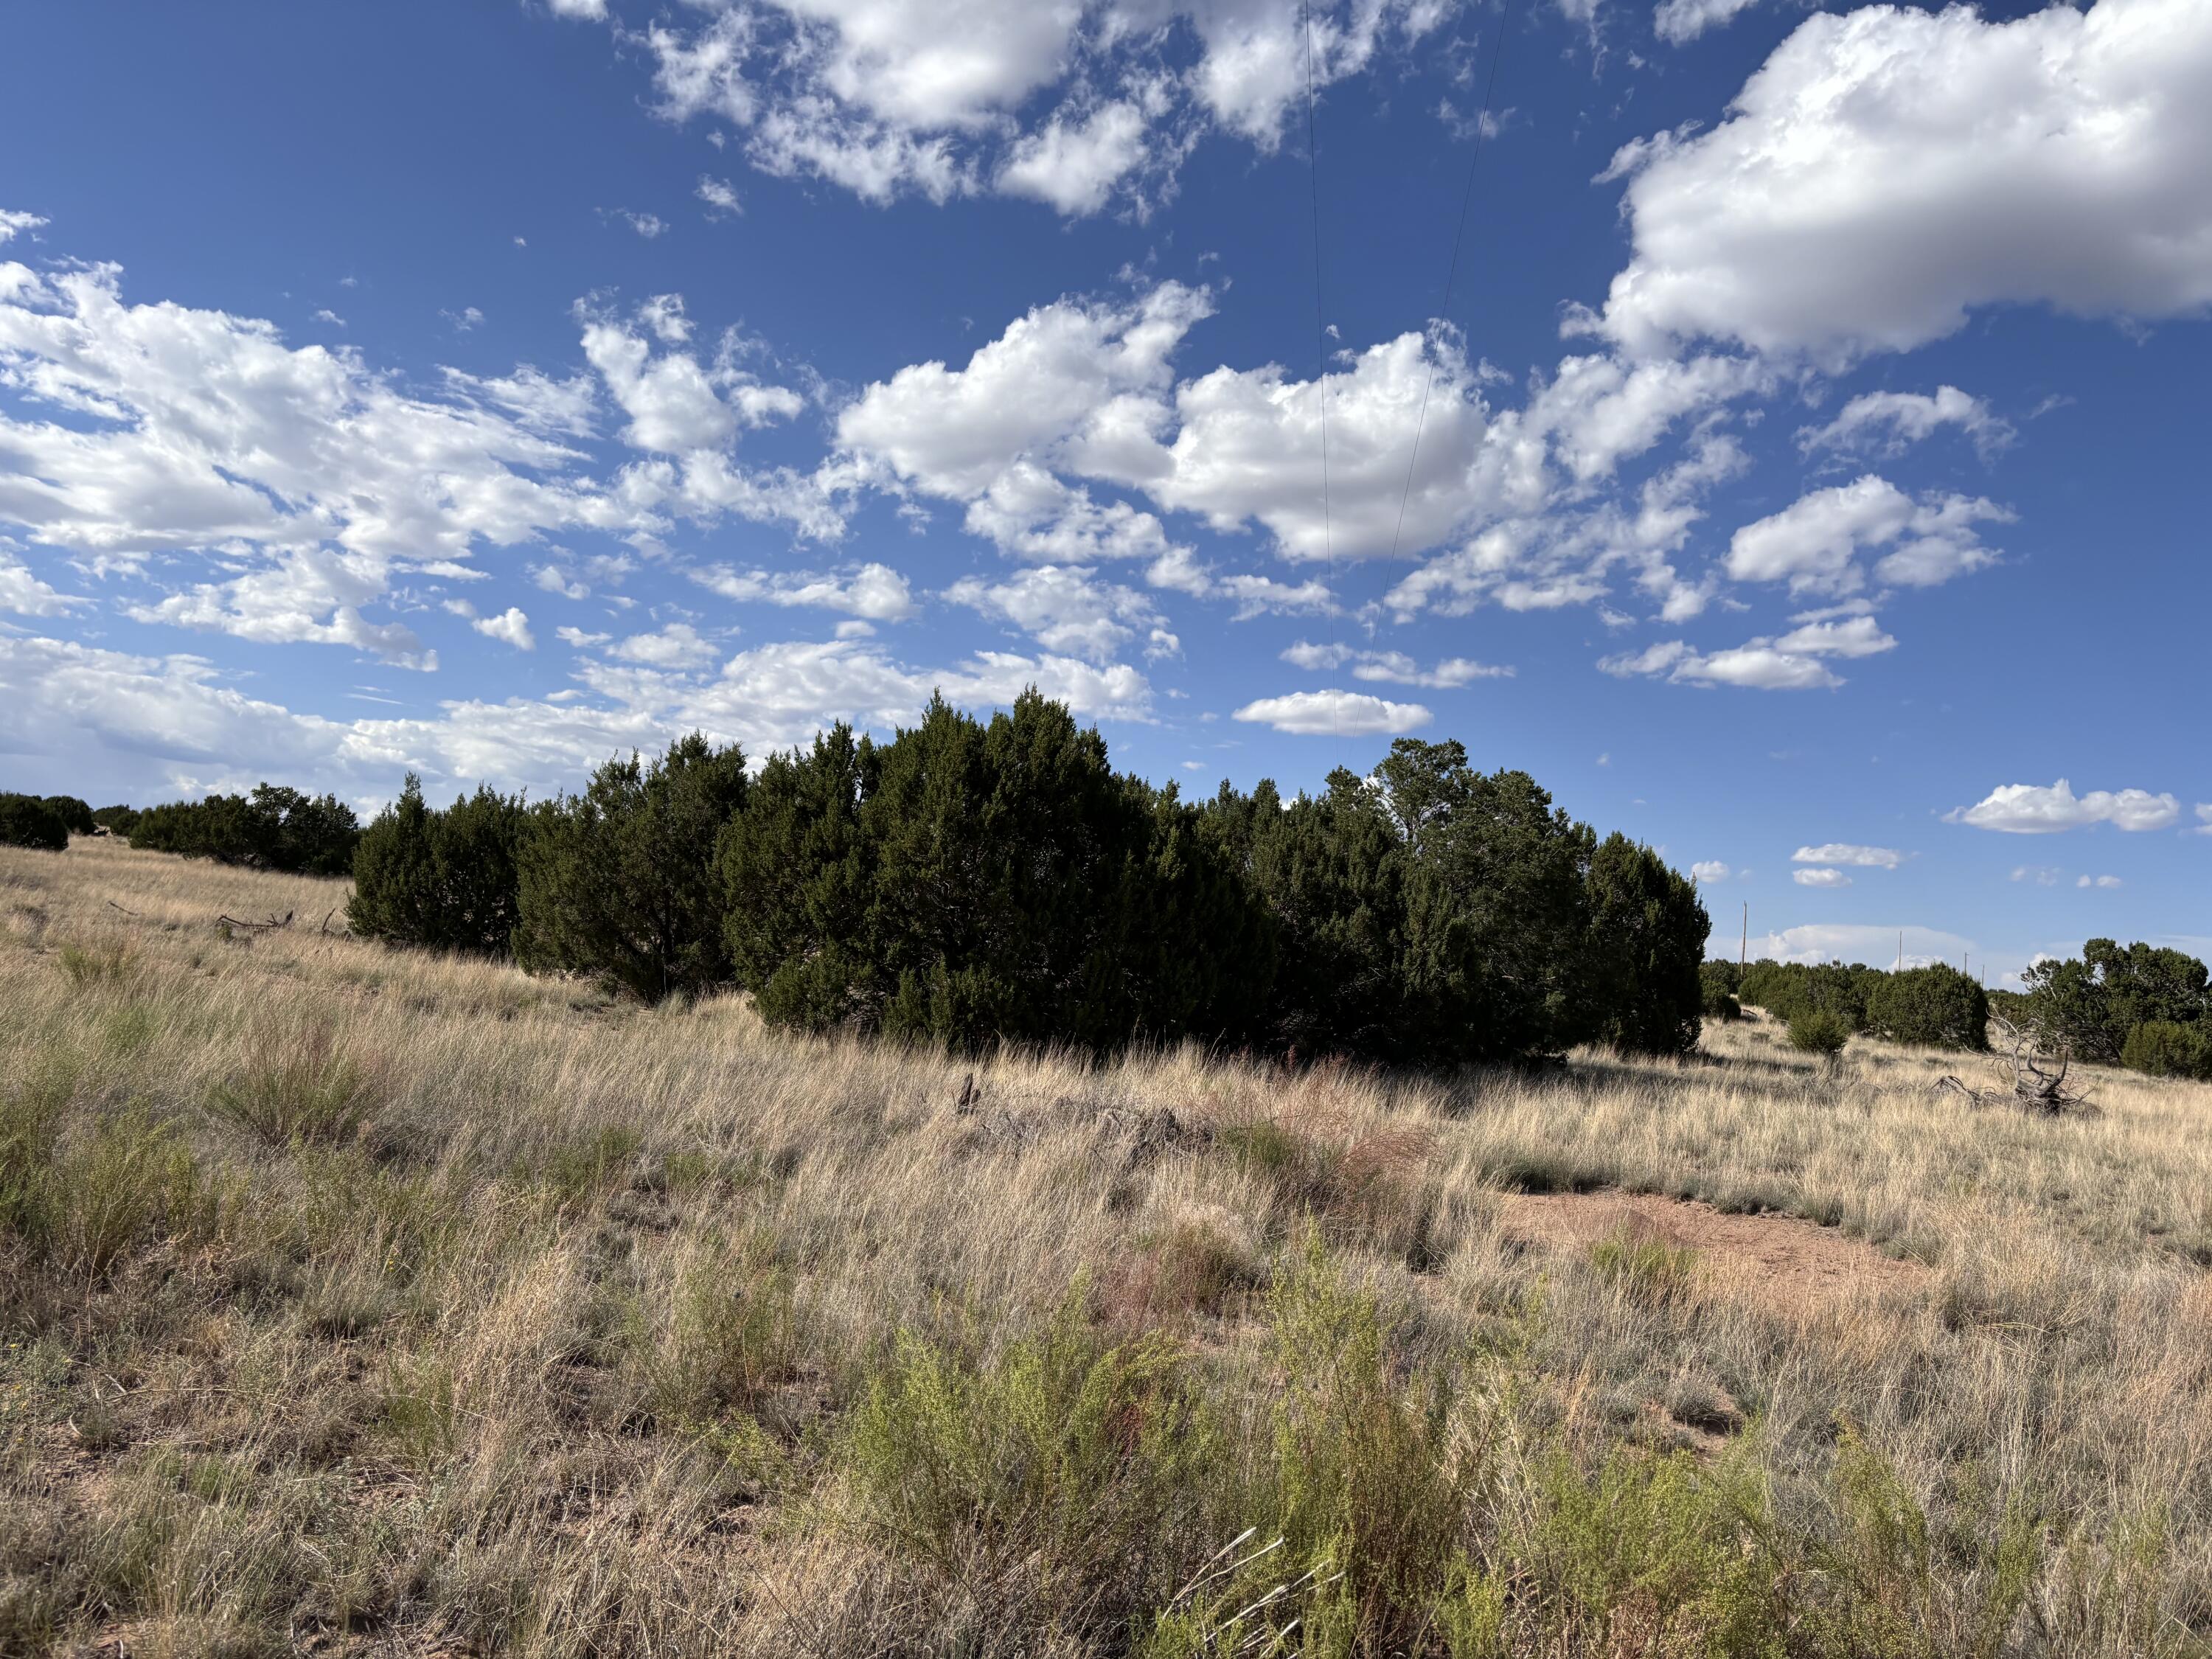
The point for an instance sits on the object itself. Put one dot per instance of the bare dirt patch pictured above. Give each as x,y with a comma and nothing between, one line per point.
1780,1256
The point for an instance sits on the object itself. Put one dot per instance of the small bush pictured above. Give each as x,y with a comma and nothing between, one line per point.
1646,1269
27,821
730,1342
299,1091
135,1183
1064,1475
1819,1031
98,963
2161,1048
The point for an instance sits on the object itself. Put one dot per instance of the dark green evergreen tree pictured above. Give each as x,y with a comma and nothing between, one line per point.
76,816
442,880
1648,932
27,821
620,882
1934,1007
797,874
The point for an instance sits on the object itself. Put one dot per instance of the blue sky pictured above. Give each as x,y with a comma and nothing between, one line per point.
1804,474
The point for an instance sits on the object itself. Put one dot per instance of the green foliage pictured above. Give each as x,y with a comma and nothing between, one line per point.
274,828
731,1339
1363,1480
116,820
1717,983
76,816
2165,1047
620,882
1648,930
96,965
2090,1003
1819,1031
968,882
1647,1270
1076,1468
1934,1007
444,879
28,821
81,1205
1788,989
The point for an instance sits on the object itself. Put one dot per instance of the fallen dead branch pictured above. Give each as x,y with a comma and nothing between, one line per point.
269,926
2029,1075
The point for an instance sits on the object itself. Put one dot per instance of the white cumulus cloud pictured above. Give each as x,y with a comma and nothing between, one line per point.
1820,878
2029,809
1839,852
1342,714
1889,170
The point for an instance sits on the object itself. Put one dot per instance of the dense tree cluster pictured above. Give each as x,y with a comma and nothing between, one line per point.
33,821
274,828
118,820
446,879
1936,1006
972,881
2113,1000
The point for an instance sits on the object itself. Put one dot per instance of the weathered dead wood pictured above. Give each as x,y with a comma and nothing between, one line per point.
2029,1075
269,926
127,911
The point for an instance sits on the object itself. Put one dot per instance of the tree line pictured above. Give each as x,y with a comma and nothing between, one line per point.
969,881
1936,1006
2144,1006
274,828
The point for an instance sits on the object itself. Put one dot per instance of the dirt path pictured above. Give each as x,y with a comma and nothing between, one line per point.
1781,1255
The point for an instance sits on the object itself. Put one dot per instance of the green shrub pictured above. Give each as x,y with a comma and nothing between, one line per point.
1717,985
134,1183
1932,1007
274,828
92,964
1647,1270
620,882
442,880
27,821
1068,1476
76,816
1648,931
731,1339
2091,1003
1819,1031
116,820
2164,1047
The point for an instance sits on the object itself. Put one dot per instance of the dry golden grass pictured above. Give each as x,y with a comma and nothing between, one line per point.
362,1301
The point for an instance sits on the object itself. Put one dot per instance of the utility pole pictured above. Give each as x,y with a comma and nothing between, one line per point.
1901,950
1743,950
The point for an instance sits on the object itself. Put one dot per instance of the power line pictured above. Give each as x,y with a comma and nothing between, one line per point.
1451,270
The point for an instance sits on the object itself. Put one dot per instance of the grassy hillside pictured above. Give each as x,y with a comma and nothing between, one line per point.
353,1301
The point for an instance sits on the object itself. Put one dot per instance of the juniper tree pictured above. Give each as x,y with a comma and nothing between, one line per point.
28,821
1648,931
1935,1007
442,880
620,881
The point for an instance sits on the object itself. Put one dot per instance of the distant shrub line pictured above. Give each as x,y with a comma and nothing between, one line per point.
970,882
274,828
2143,1006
